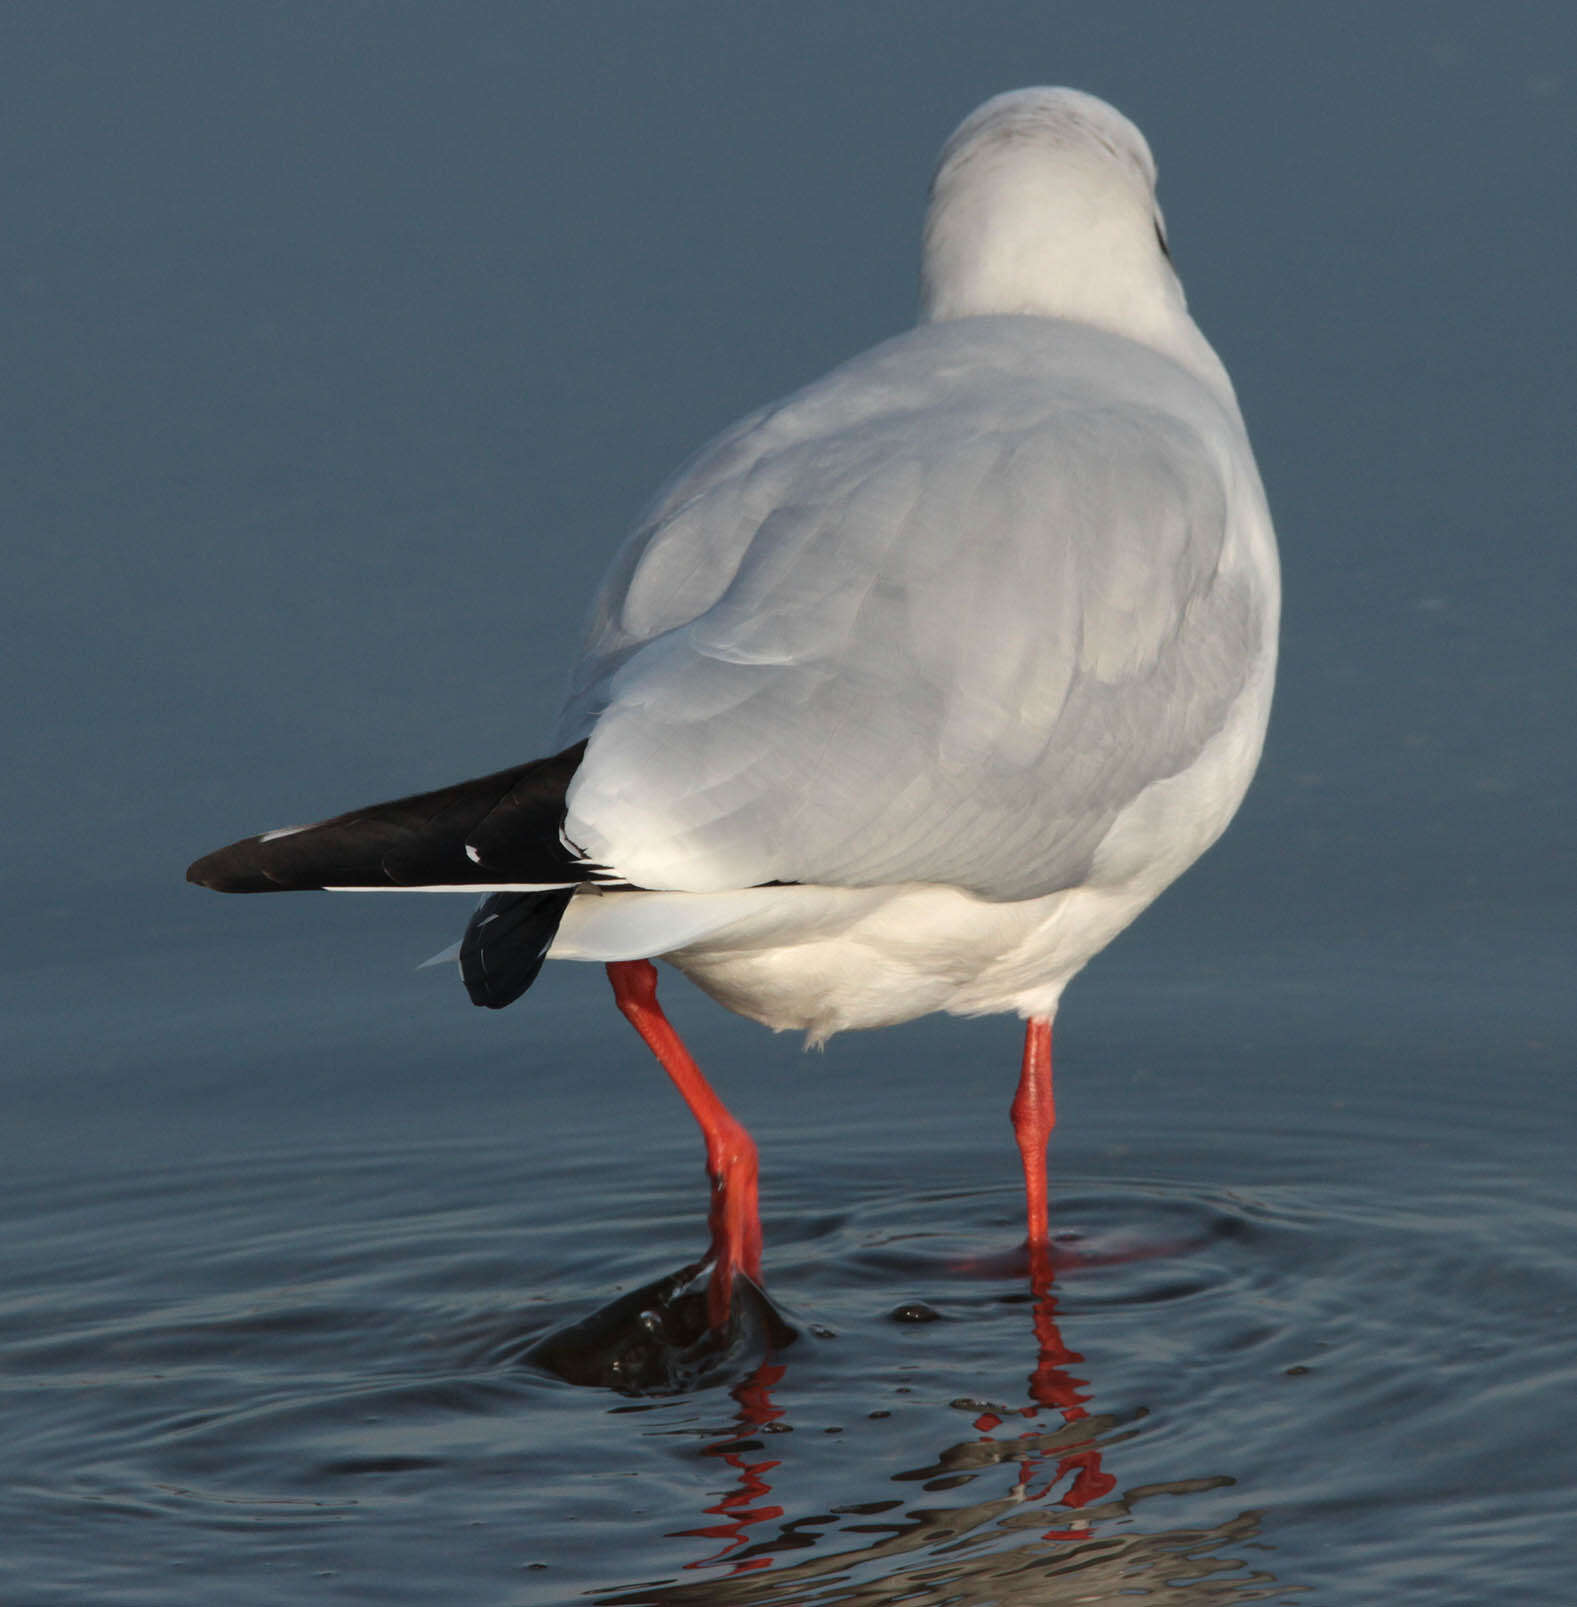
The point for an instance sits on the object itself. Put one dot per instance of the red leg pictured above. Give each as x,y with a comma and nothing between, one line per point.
1034,1116
735,1217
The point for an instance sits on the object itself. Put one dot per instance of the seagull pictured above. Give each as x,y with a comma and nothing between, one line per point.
909,692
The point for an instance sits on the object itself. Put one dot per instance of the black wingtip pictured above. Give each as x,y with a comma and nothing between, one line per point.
235,870
497,828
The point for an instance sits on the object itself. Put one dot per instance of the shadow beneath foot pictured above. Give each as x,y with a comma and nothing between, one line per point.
655,1340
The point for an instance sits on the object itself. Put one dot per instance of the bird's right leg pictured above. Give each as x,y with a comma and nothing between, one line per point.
735,1216
1034,1115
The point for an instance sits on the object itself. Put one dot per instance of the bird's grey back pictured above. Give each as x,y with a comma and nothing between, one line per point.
939,617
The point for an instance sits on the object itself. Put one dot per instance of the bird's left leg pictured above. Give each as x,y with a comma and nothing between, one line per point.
735,1217
1034,1116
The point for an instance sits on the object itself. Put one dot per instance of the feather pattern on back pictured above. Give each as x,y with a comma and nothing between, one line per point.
939,618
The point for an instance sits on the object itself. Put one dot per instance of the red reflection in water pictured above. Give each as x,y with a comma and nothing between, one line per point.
1053,1387
737,1508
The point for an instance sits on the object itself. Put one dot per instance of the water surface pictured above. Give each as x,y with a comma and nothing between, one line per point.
1308,1339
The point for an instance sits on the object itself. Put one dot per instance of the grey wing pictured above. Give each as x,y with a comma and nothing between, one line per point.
947,646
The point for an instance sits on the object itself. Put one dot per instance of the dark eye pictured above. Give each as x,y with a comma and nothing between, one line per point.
1160,240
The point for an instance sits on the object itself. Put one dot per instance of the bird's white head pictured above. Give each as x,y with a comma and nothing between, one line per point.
1044,203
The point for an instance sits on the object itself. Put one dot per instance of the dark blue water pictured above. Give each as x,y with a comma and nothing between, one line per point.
274,1260
341,345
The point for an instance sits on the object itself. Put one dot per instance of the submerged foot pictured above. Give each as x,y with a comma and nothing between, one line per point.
660,1339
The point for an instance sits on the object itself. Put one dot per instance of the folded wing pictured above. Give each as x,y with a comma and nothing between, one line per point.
938,619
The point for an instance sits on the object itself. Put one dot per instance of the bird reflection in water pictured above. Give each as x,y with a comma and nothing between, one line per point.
1070,1450
937,1554
1053,1387
738,1510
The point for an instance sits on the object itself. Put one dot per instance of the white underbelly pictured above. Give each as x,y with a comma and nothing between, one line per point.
872,958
